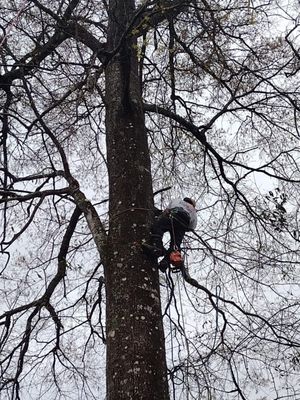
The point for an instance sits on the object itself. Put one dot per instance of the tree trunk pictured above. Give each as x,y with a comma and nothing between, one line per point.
136,366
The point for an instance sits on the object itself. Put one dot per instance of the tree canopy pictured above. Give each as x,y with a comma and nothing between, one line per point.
108,110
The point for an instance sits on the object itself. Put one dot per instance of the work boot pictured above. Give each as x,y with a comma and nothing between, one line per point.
153,251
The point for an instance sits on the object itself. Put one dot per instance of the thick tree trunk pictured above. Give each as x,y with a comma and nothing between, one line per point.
136,366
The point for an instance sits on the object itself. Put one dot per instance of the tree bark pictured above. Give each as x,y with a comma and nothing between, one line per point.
136,366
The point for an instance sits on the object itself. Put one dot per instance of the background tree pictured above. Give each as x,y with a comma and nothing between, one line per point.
100,103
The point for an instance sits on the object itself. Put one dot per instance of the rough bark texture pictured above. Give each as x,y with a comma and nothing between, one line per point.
136,366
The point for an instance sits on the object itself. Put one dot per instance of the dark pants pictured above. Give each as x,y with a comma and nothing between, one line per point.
176,223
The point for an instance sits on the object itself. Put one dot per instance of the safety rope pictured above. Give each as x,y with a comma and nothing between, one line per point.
173,232
218,293
185,339
175,248
175,256
170,295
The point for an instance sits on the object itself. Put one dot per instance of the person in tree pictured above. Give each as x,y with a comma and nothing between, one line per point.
178,218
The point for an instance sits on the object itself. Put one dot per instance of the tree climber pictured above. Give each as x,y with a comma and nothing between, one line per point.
179,217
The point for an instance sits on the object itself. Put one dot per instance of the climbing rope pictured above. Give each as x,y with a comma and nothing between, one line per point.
170,296
185,339
173,232
180,326
175,255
